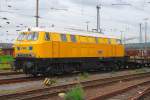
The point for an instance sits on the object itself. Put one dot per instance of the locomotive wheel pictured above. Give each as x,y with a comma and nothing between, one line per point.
116,67
49,71
34,74
24,69
13,68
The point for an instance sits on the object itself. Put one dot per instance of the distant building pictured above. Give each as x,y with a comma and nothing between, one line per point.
6,49
6,45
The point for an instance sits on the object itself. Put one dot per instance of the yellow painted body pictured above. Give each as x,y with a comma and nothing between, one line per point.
85,46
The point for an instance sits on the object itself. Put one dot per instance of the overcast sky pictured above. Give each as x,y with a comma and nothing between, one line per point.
74,14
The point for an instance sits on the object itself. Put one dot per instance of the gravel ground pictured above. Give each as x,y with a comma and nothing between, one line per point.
12,76
5,71
100,90
103,90
26,86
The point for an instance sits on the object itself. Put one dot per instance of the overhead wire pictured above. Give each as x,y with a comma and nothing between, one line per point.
31,16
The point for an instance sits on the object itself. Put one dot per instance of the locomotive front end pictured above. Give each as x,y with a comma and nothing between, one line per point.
27,51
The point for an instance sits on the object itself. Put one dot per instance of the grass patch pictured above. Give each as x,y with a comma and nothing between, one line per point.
4,62
7,91
5,66
113,72
143,70
75,93
84,75
6,59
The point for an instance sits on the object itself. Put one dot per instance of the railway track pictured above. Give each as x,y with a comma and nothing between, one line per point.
18,80
52,92
135,92
10,73
117,90
143,94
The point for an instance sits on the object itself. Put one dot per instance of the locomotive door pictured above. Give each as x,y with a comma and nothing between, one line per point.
55,46
113,50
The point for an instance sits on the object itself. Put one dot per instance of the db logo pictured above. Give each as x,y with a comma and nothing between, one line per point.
100,52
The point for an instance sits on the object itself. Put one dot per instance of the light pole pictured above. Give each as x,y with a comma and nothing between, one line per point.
121,36
37,13
146,34
87,25
140,33
146,19
98,18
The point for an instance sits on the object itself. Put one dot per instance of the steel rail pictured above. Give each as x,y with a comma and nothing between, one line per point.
54,90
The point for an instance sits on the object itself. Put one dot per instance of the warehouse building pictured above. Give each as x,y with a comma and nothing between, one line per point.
6,49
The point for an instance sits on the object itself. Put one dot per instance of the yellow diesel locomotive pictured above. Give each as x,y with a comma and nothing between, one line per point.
45,51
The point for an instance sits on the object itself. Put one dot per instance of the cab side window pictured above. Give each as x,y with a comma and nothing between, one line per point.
47,36
73,38
119,41
63,37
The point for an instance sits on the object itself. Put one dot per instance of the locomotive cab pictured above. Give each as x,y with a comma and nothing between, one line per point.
25,44
28,43
30,48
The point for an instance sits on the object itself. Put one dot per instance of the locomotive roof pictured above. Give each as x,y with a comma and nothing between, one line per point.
69,31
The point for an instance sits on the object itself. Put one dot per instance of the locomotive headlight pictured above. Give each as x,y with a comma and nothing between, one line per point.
33,55
30,48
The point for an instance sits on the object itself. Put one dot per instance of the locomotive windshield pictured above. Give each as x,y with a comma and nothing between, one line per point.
28,36
32,36
22,36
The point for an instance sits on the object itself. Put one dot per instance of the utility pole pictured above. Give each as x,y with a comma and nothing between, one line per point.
146,31
98,18
87,25
140,39
146,34
37,13
121,36
124,38
140,35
